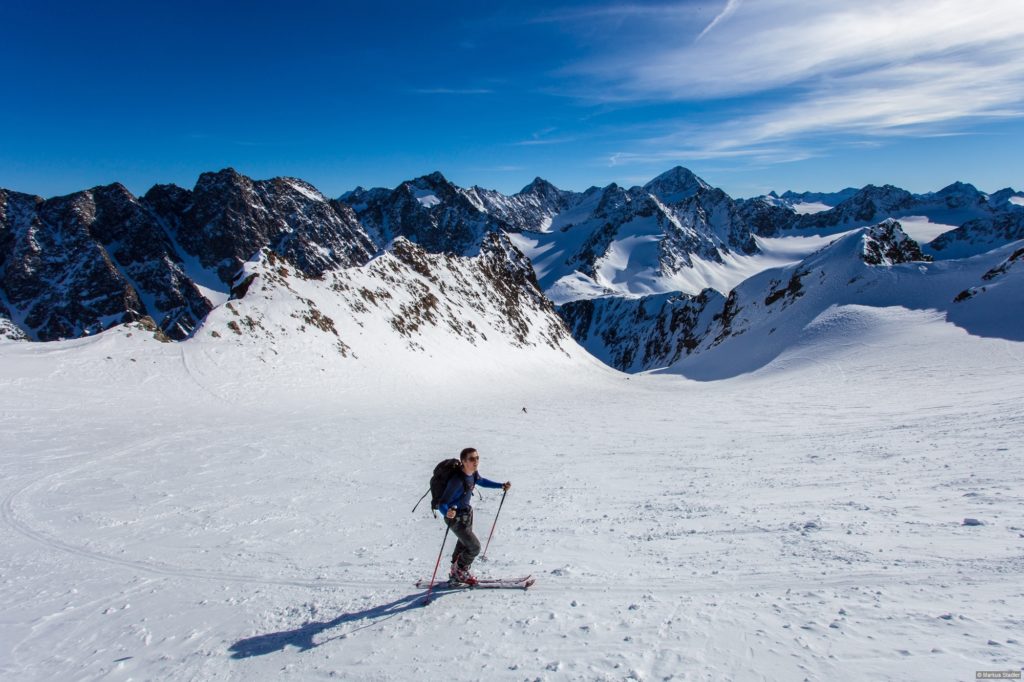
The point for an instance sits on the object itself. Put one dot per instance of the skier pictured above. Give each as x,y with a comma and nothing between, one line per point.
458,514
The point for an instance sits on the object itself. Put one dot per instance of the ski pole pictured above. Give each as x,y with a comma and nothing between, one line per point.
421,499
431,588
494,524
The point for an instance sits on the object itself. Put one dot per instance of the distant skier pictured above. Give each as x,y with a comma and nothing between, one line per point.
457,509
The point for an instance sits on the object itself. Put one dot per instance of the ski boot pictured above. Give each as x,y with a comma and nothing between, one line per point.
461,576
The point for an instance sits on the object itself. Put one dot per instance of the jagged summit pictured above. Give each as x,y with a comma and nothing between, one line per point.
538,186
79,264
829,199
211,180
433,180
676,185
958,187
887,244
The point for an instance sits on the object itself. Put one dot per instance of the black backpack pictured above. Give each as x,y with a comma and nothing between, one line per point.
445,470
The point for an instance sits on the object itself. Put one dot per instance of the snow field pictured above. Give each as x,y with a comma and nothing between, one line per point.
171,511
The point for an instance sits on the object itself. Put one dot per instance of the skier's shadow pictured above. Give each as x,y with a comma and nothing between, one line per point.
302,637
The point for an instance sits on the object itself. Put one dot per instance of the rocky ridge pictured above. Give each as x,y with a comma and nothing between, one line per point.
637,334
76,265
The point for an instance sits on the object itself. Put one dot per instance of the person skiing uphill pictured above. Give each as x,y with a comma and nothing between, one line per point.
457,511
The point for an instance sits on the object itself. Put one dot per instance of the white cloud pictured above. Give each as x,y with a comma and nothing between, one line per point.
870,68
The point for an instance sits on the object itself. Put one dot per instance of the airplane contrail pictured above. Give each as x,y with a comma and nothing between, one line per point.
730,7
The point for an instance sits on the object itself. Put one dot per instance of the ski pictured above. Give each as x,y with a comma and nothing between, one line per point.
524,579
485,584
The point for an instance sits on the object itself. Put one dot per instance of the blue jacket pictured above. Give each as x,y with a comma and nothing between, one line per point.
459,491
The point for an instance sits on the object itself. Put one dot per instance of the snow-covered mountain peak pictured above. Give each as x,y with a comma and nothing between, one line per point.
958,195
676,185
433,185
540,187
1006,198
405,299
884,197
958,187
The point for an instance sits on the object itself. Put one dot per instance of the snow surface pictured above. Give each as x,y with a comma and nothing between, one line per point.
205,511
1019,201
426,197
805,207
206,280
633,267
922,230
306,190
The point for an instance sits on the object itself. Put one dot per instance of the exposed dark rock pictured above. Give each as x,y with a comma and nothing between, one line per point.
429,211
634,334
532,208
765,218
976,236
792,291
870,204
725,318
58,278
887,244
1004,267
79,264
228,217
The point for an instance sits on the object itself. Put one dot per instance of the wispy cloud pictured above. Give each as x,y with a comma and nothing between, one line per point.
730,8
544,137
873,68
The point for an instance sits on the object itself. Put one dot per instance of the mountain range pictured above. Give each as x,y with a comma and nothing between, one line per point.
674,274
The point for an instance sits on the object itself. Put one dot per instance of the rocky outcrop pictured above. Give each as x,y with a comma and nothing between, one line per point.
980,235
228,217
887,244
635,334
532,208
429,211
870,204
704,211
78,264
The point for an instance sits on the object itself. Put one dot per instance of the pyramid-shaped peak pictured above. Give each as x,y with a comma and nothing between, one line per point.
958,187
435,179
538,186
676,184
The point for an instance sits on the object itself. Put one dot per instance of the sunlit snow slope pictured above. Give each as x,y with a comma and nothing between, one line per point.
208,511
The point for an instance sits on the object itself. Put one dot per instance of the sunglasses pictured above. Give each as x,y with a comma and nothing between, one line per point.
474,459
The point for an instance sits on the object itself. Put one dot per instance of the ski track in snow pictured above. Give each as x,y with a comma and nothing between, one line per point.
169,518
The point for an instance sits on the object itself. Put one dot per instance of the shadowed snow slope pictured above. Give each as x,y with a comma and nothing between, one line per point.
210,510
774,311
712,336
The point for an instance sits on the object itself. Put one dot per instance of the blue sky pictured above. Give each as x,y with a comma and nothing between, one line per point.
752,95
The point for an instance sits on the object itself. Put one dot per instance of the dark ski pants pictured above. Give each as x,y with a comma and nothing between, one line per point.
468,545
